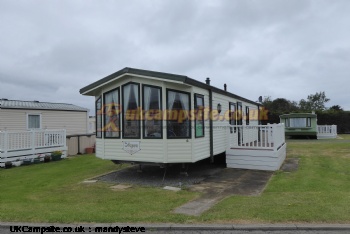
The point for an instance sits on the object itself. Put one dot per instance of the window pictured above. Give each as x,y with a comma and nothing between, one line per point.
34,121
239,114
131,111
99,118
232,110
199,110
298,122
152,106
178,106
111,111
247,115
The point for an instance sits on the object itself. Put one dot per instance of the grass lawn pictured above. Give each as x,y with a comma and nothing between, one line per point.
318,192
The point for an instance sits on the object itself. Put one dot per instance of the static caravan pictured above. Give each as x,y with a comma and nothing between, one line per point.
30,129
154,117
16,115
300,124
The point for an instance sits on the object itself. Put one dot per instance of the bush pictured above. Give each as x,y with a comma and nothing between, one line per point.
8,164
47,158
56,153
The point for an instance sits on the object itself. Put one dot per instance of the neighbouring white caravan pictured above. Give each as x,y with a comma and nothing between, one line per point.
16,115
29,129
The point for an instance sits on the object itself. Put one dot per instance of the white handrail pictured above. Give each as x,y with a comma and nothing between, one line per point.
32,140
270,136
327,129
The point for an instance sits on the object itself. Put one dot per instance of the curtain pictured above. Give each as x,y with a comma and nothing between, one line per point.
126,94
186,106
297,122
171,99
131,126
135,88
147,101
33,121
147,98
99,118
111,120
159,101
184,101
112,98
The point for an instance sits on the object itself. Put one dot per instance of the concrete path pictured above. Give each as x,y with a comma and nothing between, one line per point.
226,183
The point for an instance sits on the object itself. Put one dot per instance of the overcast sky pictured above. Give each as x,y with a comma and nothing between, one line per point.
283,49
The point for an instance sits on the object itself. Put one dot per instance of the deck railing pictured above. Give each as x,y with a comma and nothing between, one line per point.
29,142
327,130
256,137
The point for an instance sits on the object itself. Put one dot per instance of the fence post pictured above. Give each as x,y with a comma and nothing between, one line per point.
283,133
228,137
32,134
5,143
274,136
64,137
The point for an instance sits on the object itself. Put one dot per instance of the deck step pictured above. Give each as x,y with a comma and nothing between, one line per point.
268,160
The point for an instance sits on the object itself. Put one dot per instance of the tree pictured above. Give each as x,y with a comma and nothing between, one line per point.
279,105
336,108
314,102
266,102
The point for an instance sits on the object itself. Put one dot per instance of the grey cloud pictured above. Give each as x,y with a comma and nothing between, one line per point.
271,48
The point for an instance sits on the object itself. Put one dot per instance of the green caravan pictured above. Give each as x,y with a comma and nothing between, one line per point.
300,124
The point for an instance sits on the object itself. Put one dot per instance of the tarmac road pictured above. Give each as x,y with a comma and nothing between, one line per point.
6,230
250,232
21,228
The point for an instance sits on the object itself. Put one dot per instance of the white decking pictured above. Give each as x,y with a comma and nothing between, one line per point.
326,131
259,147
28,144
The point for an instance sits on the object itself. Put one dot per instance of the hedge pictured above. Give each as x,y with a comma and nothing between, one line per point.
340,118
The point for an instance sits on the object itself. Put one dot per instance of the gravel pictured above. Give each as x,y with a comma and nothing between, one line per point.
154,176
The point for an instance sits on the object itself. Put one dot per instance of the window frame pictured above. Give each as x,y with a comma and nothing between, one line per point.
122,110
239,120
96,122
104,114
308,122
197,95
40,121
247,115
234,123
161,110
286,120
189,107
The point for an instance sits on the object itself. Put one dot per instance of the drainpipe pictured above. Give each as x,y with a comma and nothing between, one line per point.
79,145
211,126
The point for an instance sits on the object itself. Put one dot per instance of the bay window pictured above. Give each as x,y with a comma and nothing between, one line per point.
178,107
131,111
152,106
111,112
98,109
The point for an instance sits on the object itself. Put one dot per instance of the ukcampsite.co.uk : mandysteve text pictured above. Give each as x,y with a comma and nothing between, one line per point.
182,115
